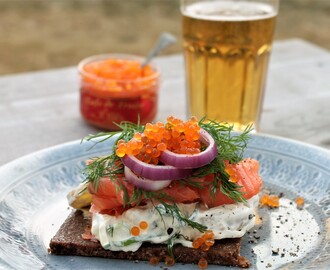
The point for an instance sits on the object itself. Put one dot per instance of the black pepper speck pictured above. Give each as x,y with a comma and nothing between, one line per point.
169,231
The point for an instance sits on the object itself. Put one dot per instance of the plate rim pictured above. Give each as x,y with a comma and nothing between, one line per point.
79,141
12,165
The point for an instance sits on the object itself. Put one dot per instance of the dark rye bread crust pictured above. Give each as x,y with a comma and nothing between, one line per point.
68,241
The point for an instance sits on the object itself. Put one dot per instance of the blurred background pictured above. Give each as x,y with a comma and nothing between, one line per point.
43,34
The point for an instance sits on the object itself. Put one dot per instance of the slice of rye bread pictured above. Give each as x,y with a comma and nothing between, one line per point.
68,241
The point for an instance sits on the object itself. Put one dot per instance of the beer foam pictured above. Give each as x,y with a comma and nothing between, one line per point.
229,11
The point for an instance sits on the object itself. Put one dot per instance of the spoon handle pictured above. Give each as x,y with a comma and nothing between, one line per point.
164,40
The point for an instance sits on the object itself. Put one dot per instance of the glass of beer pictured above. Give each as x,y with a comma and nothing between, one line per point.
227,44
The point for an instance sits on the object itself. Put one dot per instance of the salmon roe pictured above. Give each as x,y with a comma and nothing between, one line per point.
169,261
116,88
300,202
202,263
175,135
209,242
143,225
197,243
272,201
205,241
205,247
135,231
154,260
118,70
208,235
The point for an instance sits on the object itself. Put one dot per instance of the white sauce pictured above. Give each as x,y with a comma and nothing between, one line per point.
226,221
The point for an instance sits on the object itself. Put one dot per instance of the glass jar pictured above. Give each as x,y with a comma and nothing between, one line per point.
115,88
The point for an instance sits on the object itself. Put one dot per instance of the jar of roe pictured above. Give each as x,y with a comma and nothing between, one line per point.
115,88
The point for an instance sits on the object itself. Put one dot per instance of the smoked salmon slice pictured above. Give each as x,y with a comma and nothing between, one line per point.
244,173
181,193
108,198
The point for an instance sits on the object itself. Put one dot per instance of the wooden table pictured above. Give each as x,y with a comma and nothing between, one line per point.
41,109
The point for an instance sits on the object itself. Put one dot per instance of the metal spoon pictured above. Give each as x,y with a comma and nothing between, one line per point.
164,41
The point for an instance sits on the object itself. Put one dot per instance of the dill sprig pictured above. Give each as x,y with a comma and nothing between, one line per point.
171,242
126,132
174,211
230,146
155,196
170,245
163,203
107,166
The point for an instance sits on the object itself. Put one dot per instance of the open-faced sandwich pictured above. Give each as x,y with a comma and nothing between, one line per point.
167,192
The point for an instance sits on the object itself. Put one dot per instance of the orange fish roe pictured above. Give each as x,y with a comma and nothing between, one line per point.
176,135
205,247
143,225
202,263
135,231
208,235
115,88
118,69
169,261
300,202
205,241
209,242
197,243
272,201
154,260
263,200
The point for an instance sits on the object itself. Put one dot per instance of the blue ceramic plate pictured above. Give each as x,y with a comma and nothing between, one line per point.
33,205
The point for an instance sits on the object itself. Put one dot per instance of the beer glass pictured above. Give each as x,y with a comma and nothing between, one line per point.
227,44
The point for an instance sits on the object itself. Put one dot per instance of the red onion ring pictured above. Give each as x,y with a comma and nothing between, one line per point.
144,183
184,161
154,172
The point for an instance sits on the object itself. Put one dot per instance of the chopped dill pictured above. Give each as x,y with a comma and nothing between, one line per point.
170,243
110,230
